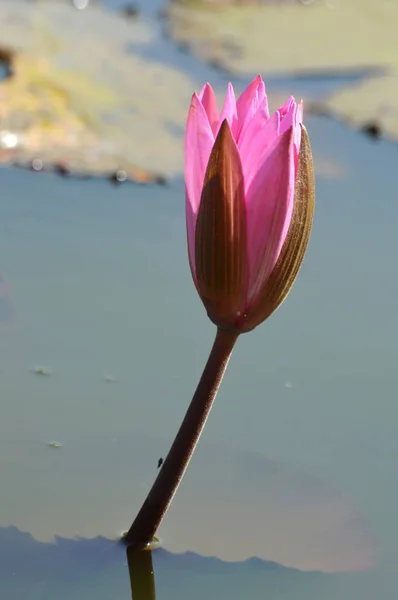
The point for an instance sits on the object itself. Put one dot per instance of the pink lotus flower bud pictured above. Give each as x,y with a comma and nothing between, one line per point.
249,203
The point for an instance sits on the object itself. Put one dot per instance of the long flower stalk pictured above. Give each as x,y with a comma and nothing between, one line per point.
169,478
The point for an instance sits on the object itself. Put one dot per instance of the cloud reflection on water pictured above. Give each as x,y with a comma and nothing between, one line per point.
235,505
232,504
97,569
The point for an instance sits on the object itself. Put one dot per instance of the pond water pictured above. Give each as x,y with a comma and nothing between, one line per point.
102,341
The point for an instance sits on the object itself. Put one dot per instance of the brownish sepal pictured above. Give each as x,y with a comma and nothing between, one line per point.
220,237
281,280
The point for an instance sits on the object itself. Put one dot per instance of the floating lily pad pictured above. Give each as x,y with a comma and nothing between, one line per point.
82,97
310,39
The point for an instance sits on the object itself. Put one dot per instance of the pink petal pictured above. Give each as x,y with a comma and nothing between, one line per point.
249,102
299,114
297,134
286,107
209,102
262,95
287,113
229,110
256,141
269,210
199,140
292,117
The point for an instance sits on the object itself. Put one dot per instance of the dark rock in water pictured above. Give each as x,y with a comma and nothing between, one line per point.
130,11
372,129
160,180
62,169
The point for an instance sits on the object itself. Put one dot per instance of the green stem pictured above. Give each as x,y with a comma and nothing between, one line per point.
160,496
142,579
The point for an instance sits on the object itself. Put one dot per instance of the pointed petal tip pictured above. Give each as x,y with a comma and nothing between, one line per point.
225,132
225,148
230,97
209,103
195,99
300,111
205,88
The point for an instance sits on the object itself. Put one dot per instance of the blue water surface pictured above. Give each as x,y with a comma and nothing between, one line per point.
102,341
